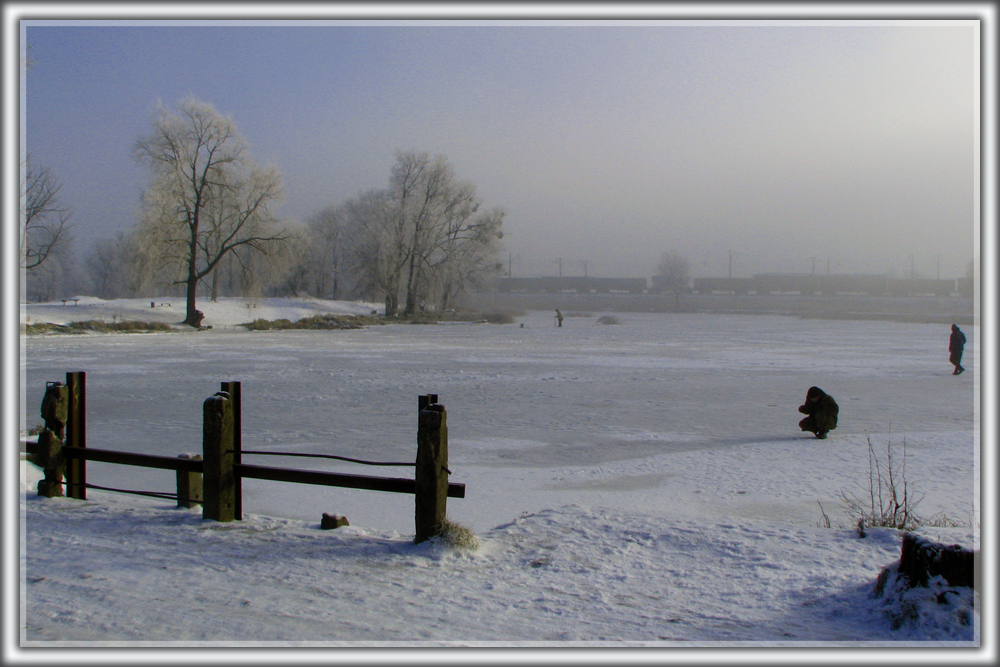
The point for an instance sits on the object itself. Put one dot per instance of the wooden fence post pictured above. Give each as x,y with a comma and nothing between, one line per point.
189,485
48,456
76,434
219,480
235,396
431,469
50,441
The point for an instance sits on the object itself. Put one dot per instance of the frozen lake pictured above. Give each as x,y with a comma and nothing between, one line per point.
693,412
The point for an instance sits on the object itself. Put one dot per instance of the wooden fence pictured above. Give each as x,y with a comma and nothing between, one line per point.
213,479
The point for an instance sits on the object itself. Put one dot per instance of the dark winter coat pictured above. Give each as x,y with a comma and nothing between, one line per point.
957,341
822,413
956,344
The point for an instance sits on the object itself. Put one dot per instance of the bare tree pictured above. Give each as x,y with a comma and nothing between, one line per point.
44,219
207,200
56,278
672,274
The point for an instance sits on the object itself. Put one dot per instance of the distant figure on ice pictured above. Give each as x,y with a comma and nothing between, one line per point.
559,317
956,345
822,411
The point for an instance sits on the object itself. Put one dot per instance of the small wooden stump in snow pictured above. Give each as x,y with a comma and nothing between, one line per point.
331,521
921,559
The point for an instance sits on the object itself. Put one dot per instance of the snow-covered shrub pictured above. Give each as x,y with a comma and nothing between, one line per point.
938,607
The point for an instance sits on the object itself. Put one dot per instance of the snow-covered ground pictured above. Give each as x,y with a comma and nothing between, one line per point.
643,483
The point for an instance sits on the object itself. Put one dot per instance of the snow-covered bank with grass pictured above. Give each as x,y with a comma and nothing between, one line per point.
226,313
639,483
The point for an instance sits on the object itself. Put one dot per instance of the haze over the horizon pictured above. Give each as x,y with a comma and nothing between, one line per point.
827,146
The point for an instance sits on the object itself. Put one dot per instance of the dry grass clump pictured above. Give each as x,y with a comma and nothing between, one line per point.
887,500
496,317
99,326
316,322
458,536
474,316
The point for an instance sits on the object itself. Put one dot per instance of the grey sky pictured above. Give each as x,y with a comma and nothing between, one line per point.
791,145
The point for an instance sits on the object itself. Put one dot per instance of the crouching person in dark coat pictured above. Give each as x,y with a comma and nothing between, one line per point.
822,411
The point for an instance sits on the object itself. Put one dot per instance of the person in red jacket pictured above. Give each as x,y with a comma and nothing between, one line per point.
822,411
956,346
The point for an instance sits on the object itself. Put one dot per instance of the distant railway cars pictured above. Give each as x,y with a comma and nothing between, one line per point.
578,284
810,284
828,285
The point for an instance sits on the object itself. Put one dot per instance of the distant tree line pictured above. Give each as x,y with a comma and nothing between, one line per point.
208,228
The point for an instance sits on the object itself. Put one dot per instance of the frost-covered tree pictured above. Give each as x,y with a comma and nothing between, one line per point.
104,269
327,251
466,256
207,200
423,230
673,272
377,247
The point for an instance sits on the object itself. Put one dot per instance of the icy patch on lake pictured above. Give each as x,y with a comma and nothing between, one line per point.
496,443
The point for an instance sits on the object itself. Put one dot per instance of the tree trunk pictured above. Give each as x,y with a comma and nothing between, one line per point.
215,286
391,304
411,288
192,317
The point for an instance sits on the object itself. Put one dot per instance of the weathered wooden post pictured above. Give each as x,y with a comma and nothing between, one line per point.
218,477
236,400
49,456
76,434
189,485
431,469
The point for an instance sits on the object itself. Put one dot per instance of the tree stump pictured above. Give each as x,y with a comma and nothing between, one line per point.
330,521
921,559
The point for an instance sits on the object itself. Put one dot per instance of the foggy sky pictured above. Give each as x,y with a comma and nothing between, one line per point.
794,146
